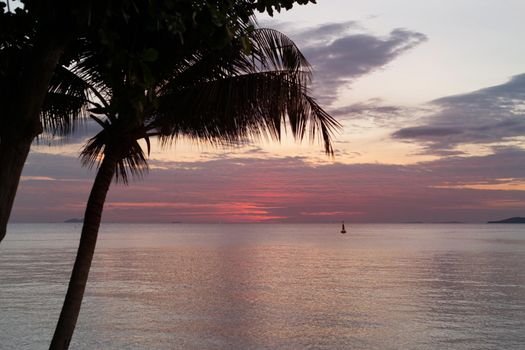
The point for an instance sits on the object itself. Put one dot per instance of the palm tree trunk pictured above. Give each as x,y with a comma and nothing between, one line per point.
22,117
12,158
88,240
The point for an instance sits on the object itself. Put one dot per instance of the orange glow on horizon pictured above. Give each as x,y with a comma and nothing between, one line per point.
504,185
227,212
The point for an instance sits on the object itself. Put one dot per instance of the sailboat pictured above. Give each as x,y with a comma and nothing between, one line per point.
343,228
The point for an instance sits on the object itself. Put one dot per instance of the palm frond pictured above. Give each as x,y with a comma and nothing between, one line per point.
65,103
132,161
218,96
276,51
132,164
206,65
243,106
92,70
270,51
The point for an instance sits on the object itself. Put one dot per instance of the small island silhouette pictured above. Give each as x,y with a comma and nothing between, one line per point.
514,220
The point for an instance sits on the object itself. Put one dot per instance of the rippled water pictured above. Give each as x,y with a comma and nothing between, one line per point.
270,287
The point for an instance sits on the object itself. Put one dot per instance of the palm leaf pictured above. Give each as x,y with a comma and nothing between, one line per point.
270,51
68,100
275,51
217,96
132,160
243,106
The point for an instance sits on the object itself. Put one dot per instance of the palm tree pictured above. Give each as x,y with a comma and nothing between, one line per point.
33,41
45,29
244,90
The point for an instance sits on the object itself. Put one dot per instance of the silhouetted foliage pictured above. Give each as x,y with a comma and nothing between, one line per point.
245,88
44,34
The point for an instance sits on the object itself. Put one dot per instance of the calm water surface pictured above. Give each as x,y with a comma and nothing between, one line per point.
270,287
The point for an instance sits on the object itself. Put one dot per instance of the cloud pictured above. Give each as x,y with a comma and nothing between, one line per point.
375,112
485,117
344,51
425,132
82,131
287,189
372,108
36,178
323,33
55,167
339,57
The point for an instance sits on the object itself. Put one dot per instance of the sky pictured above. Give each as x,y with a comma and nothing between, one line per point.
431,96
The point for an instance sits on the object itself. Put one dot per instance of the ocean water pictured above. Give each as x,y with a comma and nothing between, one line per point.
270,286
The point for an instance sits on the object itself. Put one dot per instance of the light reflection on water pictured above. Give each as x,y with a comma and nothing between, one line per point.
271,287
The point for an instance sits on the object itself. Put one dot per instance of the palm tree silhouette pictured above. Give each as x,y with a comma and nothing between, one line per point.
55,108
248,89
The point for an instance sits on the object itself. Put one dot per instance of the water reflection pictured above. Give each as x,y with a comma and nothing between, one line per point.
481,292
272,287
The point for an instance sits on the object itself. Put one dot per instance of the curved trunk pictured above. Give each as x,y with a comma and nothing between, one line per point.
88,240
12,157
23,119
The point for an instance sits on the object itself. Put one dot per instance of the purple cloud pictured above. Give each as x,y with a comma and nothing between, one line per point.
342,52
350,56
286,189
487,116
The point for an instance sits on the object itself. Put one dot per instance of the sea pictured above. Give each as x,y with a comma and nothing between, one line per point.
270,286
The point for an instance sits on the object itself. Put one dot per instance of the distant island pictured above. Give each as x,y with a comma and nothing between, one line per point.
74,221
514,220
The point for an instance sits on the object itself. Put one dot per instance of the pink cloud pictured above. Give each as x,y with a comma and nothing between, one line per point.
289,189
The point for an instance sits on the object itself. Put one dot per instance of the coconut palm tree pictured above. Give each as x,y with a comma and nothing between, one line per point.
34,38
247,89
45,30
54,113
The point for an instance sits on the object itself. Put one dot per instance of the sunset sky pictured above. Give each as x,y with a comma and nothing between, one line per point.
431,96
